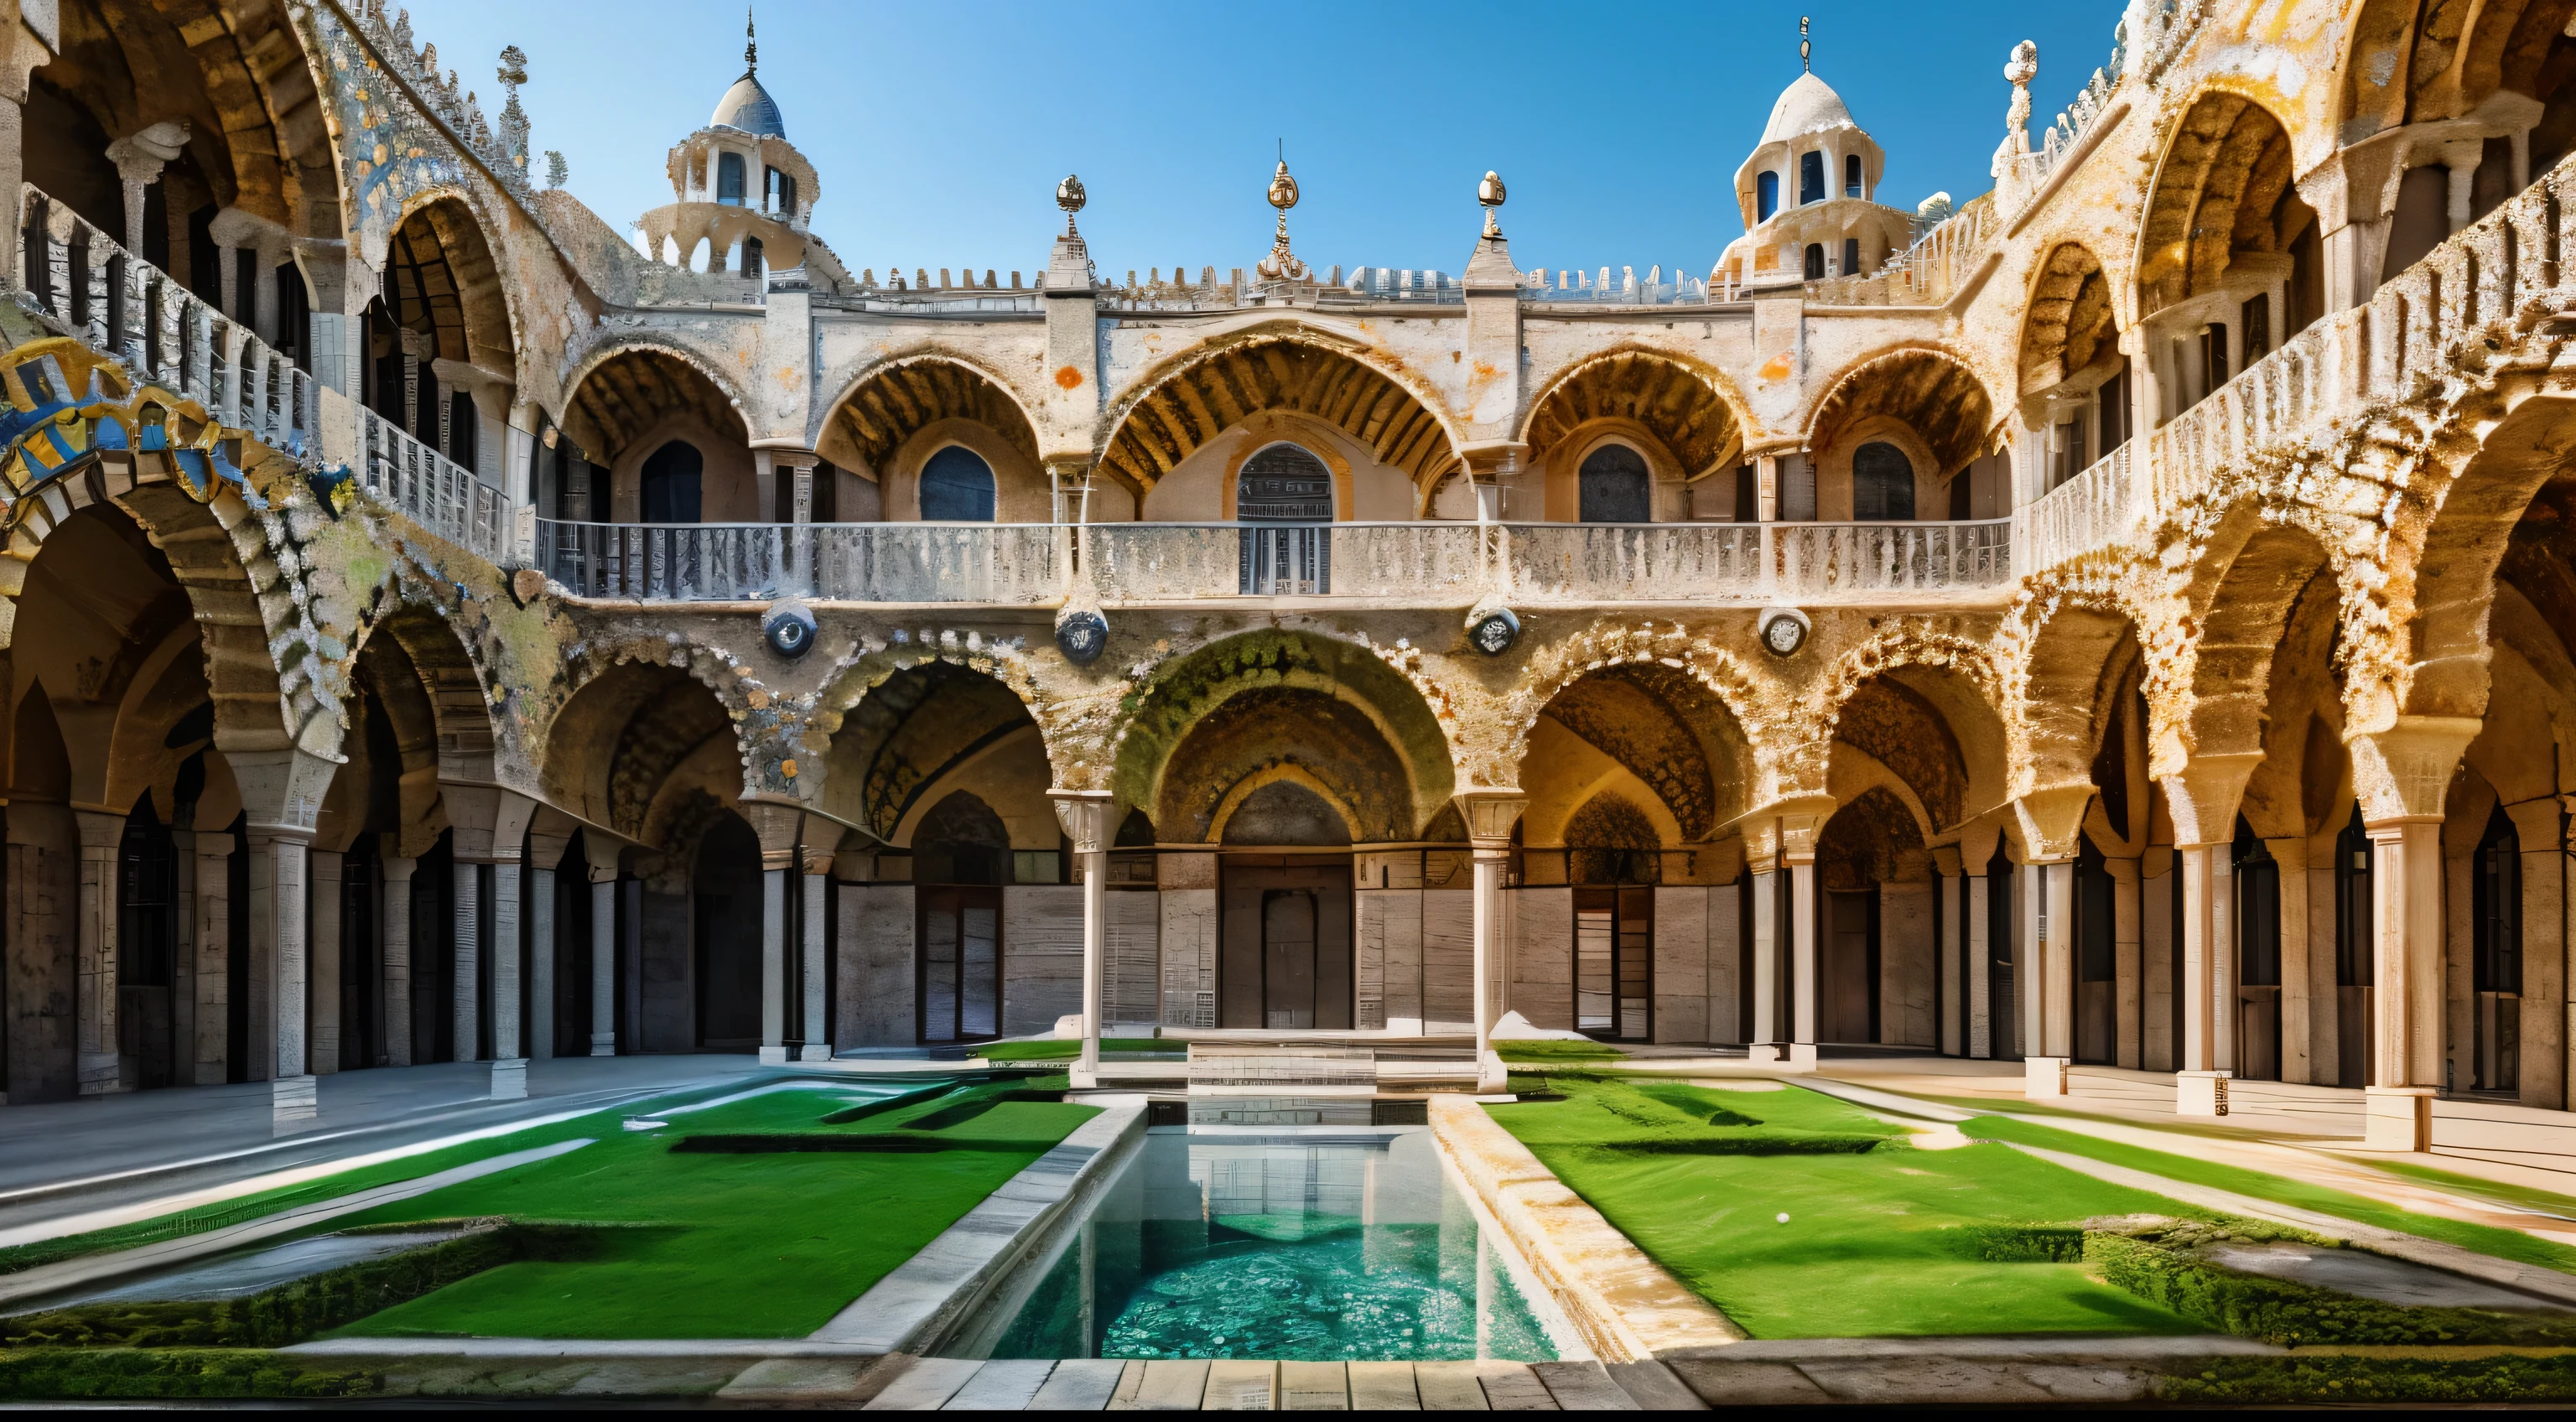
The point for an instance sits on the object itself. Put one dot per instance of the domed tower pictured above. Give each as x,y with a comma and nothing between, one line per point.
1807,195
744,194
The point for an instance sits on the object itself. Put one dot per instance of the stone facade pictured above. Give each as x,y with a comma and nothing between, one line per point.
2124,617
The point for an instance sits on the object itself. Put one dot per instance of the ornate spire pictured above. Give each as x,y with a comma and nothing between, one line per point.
1806,51
1282,264
750,44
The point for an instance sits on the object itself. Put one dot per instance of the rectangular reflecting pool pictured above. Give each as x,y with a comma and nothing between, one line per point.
1322,1244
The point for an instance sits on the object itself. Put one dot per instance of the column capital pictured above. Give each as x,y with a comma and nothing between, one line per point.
1784,830
2204,794
2405,771
2052,821
1947,861
1085,817
487,821
1490,812
140,156
777,823
282,790
398,868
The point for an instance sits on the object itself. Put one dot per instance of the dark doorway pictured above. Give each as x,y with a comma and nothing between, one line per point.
147,943
2258,958
671,481
576,967
1847,968
726,894
237,952
957,487
1882,483
1613,486
2356,945
1614,963
961,855
433,954
2097,988
1287,943
2495,933
362,1032
2003,1021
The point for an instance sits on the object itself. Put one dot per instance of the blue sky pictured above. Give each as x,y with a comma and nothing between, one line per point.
940,131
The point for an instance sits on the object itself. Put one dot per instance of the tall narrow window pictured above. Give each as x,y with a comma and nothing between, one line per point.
1815,261
1882,483
781,192
2258,958
957,487
1811,178
1851,256
1851,175
1766,196
1615,487
729,178
2495,926
751,257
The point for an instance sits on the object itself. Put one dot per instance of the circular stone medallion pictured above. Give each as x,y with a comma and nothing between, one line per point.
789,629
1784,631
1495,632
1082,636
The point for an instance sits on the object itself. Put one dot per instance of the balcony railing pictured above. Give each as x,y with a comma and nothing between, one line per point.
432,490
2097,508
94,290
1431,564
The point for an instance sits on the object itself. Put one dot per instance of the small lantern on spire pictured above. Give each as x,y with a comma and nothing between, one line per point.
1490,193
1070,197
1282,264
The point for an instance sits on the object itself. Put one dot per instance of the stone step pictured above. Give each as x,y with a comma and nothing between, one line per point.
1231,1385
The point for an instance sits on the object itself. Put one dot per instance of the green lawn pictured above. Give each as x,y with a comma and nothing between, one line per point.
733,1245
1548,1050
2485,1239
1871,1246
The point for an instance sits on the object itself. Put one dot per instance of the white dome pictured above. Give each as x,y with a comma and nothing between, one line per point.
748,107
1808,106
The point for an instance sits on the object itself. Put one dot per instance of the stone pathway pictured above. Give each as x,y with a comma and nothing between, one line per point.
899,1384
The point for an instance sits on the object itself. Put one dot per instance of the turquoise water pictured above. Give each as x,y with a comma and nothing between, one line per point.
1324,1245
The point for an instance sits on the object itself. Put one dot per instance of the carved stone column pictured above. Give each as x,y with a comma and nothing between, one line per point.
815,921
1950,1034
776,823
2052,828
600,867
2401,775
1490,813
395,915
95,926
139,158
1085,817
2203,799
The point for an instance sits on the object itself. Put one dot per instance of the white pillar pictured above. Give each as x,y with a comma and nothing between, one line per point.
2128,974
1801,861
1765,888
465,981
773,966
323,1039
99,1069
2207,943
603,962
817,885
214,957
395,916
280,873
1949,1035
1490,814
1980,963
1084,815
541,963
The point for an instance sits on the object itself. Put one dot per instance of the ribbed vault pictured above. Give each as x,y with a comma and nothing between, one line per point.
892,405
1671,401
633,392
2217,194
441,282
2069,320
1929,391
1211,396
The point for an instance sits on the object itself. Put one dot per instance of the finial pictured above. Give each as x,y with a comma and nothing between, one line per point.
1490,193
1282,264
1806,51
750,45
1070,196
514,68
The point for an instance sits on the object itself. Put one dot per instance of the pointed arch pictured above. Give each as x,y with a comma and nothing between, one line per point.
1930,390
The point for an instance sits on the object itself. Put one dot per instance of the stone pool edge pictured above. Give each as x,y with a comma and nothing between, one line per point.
926,1295
1625,1306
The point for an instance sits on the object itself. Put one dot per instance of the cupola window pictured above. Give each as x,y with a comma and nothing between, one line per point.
1766,196
782,193
729,178
1851,175
1811,178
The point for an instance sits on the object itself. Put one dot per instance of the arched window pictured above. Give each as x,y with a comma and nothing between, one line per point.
1851,256
729,178
957,487
1766,196
1811,178
1815,261
1290,489
671,483
1614,487
1882,483
1851,175
751,265
782,192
